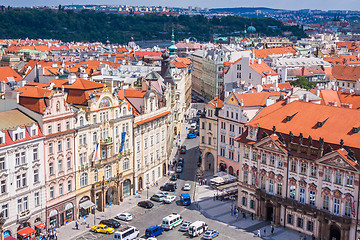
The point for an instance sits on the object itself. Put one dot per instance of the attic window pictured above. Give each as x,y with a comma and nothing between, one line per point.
356,129
288,118
320,124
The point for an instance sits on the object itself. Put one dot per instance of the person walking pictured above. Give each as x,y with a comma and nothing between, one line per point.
265,232
77,225
231,210
258,233
272,229
237,217
252,216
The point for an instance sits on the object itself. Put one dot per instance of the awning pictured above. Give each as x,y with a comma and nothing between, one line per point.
25,232
40,226
10,238
86,205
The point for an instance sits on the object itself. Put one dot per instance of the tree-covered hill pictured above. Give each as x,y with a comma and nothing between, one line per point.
97,26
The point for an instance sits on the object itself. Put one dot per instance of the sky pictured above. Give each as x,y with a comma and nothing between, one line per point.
283,4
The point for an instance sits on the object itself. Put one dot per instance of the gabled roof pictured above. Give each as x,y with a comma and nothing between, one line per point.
255,99
262,68
281,86
33,92
263,53
216,103
346,73
83,84
10,120
8,74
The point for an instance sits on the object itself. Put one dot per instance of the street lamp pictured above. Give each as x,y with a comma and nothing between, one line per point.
147,190
94,209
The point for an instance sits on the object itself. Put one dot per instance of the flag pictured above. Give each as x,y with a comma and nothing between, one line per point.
95,153
352,205
123,134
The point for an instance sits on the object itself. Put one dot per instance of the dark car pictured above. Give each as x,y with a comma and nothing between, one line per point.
174,177
169,187
181,164
181,160
145,204
111,223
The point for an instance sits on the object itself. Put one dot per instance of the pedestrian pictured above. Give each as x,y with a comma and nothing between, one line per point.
231,210
77,225
258,233
237,217
313,237
264,232
252,216
272,229
244,215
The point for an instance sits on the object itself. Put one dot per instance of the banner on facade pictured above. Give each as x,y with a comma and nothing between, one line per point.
123,134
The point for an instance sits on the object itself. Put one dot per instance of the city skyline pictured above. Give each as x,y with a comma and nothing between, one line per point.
281,4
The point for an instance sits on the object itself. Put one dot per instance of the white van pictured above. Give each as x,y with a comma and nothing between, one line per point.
171,221
197,228
126,233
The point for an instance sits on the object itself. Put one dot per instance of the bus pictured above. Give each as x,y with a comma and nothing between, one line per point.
171,221
185,199
197,228
126,233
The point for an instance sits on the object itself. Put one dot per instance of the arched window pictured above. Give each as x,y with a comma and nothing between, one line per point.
126,164
83,179
81,120
108,172
124,111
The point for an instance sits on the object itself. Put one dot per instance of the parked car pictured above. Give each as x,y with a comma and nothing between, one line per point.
191,135
153,231
169,198
102,228
183,150
145,204
124,216
181,160
174,177
210,234
111,223
179,169
187,187
157,197
184,226
181,164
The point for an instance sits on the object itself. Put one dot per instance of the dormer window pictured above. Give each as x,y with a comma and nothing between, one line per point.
49,130
2,140
81,120
33,132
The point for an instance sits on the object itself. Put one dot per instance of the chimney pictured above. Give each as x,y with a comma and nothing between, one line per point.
72,79
306,97
317,92
292,98
259,61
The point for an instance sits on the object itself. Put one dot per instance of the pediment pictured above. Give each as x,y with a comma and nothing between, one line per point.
337,160
270,144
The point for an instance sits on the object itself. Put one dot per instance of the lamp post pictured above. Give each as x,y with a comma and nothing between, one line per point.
94,209
147,190
2,222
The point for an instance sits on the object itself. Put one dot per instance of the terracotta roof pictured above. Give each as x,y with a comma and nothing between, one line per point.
36,84
338,123
256,99
131,93
83,84
263,53
7,73
141,54
58,83
262,68
33,92
152,118
352,99
78,97
216,103
346,73
282,86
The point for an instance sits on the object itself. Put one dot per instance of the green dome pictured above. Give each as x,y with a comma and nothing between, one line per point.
251,29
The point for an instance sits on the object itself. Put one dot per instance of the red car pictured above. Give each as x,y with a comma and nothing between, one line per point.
183,150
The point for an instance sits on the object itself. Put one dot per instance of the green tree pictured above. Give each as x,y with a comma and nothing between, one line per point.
303,82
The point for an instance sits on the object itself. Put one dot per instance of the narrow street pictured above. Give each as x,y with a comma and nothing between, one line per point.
145,218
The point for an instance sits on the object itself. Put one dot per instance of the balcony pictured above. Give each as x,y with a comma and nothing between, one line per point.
23,215
106,141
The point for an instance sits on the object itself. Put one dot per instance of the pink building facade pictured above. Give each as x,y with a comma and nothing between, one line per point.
58,128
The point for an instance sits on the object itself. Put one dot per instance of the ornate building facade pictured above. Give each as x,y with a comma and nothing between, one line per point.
299,168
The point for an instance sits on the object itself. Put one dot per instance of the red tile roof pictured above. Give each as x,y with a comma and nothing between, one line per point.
152,118
83,84
346,73
263,53
262,68
338,125
216,103
8,72
256,99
